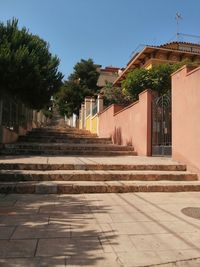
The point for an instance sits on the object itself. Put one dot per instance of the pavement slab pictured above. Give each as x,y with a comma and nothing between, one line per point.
6,232
129,230
29,220
17,248
41,231
34,262
69,247
86,160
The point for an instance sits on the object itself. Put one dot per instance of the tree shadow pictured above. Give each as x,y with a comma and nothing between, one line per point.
64,228
117,136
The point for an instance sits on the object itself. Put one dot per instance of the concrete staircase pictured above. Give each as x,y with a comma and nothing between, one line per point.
67,178
43,163
65,141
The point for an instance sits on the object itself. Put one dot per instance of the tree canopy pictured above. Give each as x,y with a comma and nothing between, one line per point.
27,69
114,95
81,83
158,78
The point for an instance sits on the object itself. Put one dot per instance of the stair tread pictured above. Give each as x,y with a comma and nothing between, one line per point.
31,152
64,144
59,138
120,182
69,152
98,183
103,172
80,175
17,163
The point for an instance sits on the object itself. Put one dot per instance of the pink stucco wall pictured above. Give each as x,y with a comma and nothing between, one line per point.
8,136
129,126
186,117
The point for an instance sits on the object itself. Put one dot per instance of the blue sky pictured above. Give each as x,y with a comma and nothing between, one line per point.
107,31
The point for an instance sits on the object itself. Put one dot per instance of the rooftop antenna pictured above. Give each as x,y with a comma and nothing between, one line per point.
178,18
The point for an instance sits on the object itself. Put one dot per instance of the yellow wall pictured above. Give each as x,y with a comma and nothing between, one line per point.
80,122
94,124
149,66
156,61
88,123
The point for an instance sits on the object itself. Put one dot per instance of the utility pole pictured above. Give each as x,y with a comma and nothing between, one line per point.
178,18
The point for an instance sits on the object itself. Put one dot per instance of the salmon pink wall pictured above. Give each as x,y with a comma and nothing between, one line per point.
186,117
130,125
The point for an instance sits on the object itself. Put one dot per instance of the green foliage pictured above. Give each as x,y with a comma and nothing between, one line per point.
69,98
47,113
81,83
114,95
27,68
158,78
86,75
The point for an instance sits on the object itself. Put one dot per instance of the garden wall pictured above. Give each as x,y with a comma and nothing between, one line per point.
130,125
186,117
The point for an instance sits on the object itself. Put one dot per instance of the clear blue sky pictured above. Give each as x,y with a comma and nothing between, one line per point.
105,30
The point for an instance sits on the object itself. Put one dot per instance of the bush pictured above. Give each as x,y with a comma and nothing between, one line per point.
114,95
158,78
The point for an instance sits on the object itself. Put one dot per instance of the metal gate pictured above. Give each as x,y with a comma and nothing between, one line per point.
161,126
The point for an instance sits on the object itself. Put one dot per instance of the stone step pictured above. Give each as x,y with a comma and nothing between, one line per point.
120,167
69,152
82,175
55,130
61,135
78,187
64,132
59,130
51,139
68,147
56,127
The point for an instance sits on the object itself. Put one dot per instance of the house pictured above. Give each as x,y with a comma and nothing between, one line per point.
150,56
108,74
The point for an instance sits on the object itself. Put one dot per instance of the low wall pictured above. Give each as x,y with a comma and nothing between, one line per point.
130,125
8,136
186,117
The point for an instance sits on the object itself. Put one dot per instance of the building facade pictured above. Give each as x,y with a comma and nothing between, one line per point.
150,56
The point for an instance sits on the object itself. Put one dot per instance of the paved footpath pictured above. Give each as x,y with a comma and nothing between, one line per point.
83,160
133,229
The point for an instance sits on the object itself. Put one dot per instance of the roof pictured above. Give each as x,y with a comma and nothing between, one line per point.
168,48
110,69
179,43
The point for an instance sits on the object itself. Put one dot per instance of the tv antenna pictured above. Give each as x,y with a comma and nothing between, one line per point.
178,18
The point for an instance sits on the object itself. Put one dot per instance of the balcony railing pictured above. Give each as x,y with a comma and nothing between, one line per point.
94,110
